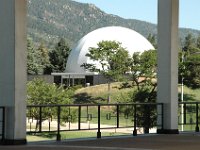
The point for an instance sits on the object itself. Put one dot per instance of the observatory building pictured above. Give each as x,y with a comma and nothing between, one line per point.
129,39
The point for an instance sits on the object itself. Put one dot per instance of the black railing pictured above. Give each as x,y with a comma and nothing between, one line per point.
2,123
189,116
59,118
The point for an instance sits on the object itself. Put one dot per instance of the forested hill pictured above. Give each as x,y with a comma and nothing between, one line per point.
49,20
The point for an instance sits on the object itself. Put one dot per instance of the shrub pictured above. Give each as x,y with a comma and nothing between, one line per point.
42,93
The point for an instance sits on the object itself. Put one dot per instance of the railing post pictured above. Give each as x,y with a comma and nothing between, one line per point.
79,117
117,116
3,123
147,118
135,121
58,125
99,122
184,112
40,118
162,113
197,118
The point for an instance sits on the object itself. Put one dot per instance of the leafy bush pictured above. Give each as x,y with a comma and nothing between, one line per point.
42,93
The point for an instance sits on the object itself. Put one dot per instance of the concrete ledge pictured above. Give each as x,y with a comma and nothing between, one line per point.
13,142
167,131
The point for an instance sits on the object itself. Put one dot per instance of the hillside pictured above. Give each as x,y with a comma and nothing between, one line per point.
49,20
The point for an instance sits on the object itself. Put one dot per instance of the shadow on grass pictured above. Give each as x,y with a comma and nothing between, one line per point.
84,98
187,97
44,135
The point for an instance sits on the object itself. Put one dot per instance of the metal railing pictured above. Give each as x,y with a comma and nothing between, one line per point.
189,116
60,118
2,123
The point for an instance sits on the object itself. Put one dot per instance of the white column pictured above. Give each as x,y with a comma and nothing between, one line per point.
168,16
13,68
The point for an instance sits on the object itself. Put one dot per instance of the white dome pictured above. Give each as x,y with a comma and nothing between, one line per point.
130,39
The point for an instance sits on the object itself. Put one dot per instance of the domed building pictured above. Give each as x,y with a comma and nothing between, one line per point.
129,39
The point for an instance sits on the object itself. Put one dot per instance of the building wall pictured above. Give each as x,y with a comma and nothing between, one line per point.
46,78
99,79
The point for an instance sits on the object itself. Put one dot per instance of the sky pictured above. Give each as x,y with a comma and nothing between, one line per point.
146,10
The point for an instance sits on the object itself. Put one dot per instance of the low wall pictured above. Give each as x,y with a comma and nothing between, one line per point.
46,78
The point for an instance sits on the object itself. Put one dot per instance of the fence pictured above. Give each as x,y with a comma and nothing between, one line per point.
2,123
59,118
189,116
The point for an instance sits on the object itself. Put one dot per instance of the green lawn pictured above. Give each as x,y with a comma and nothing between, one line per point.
190,94
32,138
72,135
99,93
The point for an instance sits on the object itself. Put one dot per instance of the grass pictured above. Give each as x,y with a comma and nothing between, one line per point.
99,89
190,94
105,111
72,135
99,93
32,138
86,134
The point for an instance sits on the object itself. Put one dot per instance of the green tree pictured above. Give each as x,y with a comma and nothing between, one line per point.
59,55
144,78
191,69
42,93
152,39
43,57
198,42
144,69
189,65
33,63
113,61
189,43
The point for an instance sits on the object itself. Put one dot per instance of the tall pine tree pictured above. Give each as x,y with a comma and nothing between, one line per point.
33,62
59,55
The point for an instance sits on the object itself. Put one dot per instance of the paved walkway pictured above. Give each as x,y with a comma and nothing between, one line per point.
150,142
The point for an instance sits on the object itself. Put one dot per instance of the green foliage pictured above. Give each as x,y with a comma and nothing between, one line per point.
113,60
37,58
41,93
41,61
124,97
192,72
144,69
34,65
189,43
152,39
189,65
43,57
59,55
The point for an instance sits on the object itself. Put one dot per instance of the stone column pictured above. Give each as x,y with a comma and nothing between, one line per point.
168,16
13,69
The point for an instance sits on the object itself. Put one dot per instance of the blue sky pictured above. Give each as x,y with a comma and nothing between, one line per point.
146,10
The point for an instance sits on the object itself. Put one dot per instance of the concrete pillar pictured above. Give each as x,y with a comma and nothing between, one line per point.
13,68
168,16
